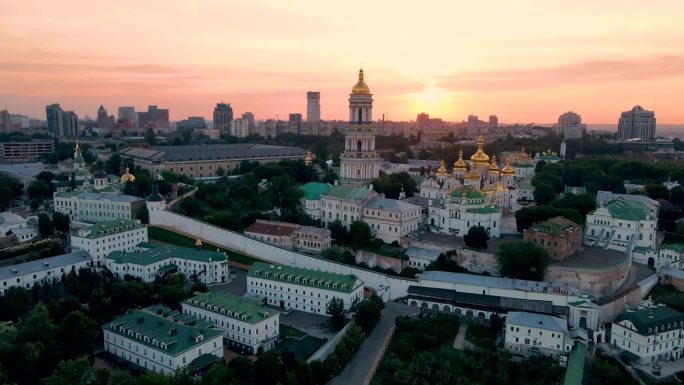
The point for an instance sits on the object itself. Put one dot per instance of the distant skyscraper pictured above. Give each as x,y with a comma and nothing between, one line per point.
313,106
19,122
570,125
239,127
61,123
493,121
5,121
128,117
295,118
157,118
636,123
191,123
250,117
223,117
103,120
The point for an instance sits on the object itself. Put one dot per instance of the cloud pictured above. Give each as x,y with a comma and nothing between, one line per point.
593,72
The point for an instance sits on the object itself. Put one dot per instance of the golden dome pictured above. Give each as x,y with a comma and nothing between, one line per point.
360,87
442,170
480,158
127,177
308,160
507,170
493,167
198,243
460,164
523,156
473,175
498,186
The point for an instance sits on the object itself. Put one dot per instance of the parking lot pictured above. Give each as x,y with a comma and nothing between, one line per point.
236,286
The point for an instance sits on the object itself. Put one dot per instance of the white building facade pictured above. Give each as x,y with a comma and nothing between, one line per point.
93,207
249,326
391,219
650,334
530,333
302,289
622,224
30,273
104,237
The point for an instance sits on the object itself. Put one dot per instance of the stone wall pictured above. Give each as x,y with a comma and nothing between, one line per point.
595,281
387,287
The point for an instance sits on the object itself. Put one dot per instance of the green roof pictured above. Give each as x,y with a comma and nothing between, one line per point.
349,193
485,210
67,194
232,306
575,190
555,226
519,164
649,321
470,192
678,247
204,361
628,210
171,337
305,277
642,249
575,370
313,190
161,253
108,227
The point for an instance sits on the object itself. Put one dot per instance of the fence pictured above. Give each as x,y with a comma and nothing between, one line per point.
385,345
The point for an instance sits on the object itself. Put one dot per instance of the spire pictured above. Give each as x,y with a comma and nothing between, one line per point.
360,87
442,170
460,164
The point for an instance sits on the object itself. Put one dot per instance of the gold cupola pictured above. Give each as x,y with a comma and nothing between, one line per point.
523,156
127,177
360,87
473,175
442,170
460,164
310,156
479,157
507,170
493,167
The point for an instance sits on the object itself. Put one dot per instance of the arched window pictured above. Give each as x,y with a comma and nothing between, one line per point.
358,146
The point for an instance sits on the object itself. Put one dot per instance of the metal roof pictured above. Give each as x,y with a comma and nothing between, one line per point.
540,321
420,253
390,204
43,264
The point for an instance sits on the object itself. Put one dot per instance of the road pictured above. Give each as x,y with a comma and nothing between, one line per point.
366,357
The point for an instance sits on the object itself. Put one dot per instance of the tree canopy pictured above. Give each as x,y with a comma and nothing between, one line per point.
522,260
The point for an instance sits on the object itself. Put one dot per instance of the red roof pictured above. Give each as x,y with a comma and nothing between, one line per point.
272,228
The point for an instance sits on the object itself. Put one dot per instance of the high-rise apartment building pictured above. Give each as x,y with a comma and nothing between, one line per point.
223,117
250,118
61,123
493,121
239,127
570,125
191,123
103,119
127,117
156,118
313,106
19,122
636,123
5,121
295,118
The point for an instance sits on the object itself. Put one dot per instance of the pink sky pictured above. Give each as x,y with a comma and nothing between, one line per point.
523,60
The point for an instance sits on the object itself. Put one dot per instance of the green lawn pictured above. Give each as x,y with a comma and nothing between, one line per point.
301,348
167,236
289,331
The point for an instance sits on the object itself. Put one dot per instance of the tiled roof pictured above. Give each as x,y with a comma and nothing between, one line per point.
43,264
541,321
349,193
101,229
313,190
305,277
390,204
485,210
204,152
161,253
470,192
232,306
652,320
556,226
159,333
420,253
629,210
279,229
108,196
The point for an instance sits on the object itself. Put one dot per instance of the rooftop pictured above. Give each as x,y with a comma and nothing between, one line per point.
651,320
101,229
390,204
161,253
159,333
496,282
678,247
43,264
420,253
541,321
280,229
627,209
575,370
495,208
305,277
468,191
232,306
349,193
204,152
555,226
313,190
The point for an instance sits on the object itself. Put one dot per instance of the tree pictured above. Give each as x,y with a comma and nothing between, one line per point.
144,215
335,310
150,137
360,234
10,188
219,375
583,203
543,193
476,238
172,295
39,189
71,373
522,260
333,253
45,176
539,166
77,335
657,191
220,171
368,313
61,221
338,232
45,227
15,303
129,188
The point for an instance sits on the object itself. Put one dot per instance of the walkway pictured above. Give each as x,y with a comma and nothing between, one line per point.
460,342
370,352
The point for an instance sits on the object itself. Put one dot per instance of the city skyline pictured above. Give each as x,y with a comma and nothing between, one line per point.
449,60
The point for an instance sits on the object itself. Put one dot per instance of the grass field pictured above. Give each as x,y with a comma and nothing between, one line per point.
289,331
167,236
302,348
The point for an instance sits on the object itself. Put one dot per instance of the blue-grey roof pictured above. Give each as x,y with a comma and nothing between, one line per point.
204,152
420,253
541,321
113,197
494,282
42,264
389,204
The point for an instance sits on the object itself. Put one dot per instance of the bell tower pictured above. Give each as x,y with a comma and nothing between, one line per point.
359,163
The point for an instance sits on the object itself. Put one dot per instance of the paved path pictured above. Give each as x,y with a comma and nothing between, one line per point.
460,342
368,355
